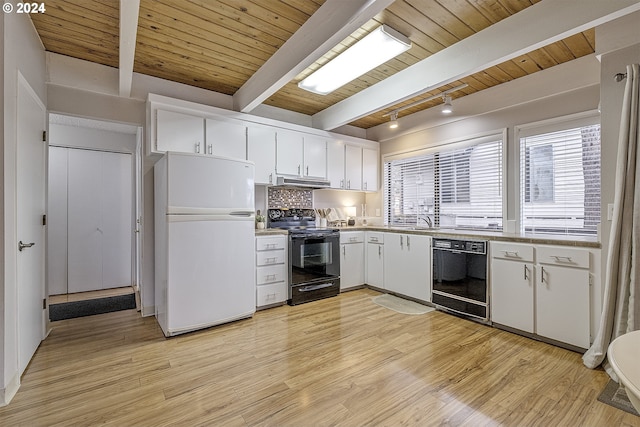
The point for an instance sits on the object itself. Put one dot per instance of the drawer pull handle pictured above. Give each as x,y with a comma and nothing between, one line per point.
562,258
353,239
374,239
271,260
511,254
270,246
271,277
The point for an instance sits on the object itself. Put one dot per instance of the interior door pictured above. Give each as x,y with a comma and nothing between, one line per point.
84,219
31,151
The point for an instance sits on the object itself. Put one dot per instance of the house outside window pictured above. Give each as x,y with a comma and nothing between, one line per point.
560,178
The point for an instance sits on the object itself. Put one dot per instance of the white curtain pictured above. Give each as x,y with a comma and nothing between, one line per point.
621,304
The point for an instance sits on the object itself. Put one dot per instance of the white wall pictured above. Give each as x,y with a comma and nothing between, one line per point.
21,52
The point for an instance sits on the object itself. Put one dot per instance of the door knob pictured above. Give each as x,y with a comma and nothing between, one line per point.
22,246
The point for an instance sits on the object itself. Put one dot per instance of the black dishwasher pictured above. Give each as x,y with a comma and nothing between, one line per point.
460,277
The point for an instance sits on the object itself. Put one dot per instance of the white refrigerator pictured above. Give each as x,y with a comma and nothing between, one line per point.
204,241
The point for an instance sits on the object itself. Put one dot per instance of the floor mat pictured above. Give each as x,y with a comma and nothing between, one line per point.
615,396
401,305
69,310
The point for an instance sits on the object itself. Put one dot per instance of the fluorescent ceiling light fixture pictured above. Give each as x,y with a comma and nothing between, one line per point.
447,108
374,49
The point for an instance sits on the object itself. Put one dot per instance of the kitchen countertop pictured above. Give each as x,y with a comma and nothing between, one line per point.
576,241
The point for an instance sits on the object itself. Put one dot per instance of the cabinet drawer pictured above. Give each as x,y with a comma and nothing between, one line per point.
375,237
351,236
569,257
513,251
270,243
270,257
271,274
271,294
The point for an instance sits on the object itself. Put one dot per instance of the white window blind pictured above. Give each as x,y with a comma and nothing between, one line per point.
560,181
449,187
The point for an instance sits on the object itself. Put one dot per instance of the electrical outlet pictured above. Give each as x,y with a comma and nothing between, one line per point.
377,212
610,211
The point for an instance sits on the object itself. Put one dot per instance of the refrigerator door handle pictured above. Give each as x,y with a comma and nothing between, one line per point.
241,213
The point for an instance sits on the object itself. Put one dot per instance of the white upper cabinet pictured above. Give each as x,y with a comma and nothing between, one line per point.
226,139
335,164
315,157
261,149
179,132
369,169
301,155
353,164
289,153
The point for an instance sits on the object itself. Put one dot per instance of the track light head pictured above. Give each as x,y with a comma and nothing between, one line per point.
447,108
394,120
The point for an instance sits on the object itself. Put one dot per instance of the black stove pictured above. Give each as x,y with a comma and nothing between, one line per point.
314,255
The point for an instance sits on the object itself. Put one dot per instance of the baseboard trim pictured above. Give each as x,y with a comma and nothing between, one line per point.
8,393
148,310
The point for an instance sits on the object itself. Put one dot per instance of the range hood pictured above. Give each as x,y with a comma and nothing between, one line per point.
302,182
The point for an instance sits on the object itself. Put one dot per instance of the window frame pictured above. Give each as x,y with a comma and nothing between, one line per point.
456,144
556,124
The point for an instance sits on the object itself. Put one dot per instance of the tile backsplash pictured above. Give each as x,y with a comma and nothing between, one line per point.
289,198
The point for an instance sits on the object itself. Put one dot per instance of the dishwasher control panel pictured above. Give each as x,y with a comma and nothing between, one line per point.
479,247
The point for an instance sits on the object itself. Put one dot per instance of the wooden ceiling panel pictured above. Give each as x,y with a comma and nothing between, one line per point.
218,45
81,29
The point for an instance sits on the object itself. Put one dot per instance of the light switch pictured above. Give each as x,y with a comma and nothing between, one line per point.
377,212
610,211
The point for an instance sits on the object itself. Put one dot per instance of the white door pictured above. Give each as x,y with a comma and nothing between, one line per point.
100,227
31,151
512,294
85,229
369,169
226,139
57,221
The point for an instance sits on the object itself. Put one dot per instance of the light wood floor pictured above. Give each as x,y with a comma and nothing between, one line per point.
83,296
340,361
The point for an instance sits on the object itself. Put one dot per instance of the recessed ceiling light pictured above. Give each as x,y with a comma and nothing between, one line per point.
374,49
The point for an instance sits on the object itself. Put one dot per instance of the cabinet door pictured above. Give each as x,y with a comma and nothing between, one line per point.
394,273
226,139
353,169
369,169
335,164
289,153
261,149
315,157
562,304
512,294
179,132
351,265
417,264
375,265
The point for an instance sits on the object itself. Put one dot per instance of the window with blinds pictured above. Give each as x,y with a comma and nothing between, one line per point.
455,186
560,180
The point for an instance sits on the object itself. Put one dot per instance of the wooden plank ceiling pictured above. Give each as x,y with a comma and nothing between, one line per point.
217,45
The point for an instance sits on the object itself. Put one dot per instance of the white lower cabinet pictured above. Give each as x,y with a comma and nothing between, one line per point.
543,290
407,265
351,259
512,285
374,259
271,270
562,295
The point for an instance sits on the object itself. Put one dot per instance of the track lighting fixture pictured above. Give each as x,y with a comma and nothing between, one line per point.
394,121
446,108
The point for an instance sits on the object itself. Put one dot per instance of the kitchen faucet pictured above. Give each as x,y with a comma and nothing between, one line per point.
426,219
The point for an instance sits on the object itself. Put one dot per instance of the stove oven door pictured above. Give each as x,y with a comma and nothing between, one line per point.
313,258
